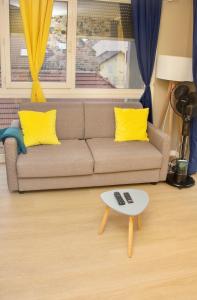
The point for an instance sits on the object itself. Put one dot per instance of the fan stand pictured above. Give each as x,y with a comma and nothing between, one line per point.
172,177
188,182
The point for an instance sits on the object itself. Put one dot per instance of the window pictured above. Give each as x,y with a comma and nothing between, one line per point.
90,51
106,56
54,66
18,52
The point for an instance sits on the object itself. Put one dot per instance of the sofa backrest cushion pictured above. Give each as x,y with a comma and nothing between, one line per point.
99,118
70,117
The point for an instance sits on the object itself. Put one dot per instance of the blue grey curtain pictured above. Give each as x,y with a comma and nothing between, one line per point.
193,128
146,17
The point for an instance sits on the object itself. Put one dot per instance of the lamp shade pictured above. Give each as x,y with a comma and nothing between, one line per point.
174,68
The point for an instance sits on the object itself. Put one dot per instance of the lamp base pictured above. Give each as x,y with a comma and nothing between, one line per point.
187,183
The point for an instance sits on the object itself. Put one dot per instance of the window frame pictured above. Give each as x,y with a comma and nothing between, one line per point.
54,89
45,85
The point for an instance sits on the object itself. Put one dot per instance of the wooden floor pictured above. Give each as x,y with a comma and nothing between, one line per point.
50,250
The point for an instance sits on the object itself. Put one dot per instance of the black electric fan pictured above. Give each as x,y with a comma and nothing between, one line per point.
184,103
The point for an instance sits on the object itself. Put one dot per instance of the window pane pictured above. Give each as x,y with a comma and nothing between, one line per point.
106,55
54,66
19,60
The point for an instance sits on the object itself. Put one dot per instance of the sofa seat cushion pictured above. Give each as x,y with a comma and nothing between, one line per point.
71,158
110,156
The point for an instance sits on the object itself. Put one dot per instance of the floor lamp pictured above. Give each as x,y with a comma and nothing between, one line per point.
175,69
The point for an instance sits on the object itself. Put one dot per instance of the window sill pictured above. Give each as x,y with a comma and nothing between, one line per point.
74,93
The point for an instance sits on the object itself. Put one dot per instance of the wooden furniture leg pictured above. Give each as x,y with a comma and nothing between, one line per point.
130,237
104,220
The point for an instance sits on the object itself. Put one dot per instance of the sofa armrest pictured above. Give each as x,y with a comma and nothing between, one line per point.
162,142
11,154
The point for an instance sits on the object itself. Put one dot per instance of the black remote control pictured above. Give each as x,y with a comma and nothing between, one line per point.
128,198
119,198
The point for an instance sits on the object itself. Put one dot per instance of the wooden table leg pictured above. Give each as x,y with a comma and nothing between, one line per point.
139,222
130,236
104,220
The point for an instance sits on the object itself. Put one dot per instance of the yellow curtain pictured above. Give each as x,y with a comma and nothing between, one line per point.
36,15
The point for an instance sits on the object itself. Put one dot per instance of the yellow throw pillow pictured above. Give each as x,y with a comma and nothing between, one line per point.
39,127
131,124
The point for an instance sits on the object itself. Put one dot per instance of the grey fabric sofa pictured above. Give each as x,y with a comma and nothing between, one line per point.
88,155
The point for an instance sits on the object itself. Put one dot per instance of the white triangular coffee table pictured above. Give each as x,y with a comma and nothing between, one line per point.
135,209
